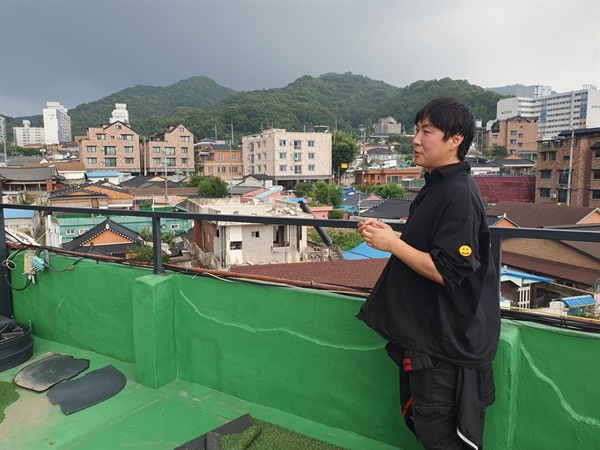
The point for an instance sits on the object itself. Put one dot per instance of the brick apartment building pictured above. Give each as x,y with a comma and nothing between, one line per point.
553,184
171,152
518,134
219,160
114,147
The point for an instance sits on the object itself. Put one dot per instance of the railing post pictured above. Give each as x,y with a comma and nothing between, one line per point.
5,293
156,242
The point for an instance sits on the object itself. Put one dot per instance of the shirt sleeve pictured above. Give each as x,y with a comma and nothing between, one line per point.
455,251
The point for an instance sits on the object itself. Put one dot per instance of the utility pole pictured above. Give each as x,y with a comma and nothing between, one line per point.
231,164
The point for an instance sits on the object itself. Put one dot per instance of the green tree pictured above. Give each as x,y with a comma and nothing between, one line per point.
194,180
213,187
390,190
344,150
327,194
336,214
495,152
303,190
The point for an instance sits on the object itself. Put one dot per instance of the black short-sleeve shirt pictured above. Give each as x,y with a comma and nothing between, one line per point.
460,321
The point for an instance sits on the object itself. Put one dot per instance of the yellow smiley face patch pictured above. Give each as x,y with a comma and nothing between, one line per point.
465,250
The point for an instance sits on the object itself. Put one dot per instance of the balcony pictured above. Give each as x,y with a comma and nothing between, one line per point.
201,348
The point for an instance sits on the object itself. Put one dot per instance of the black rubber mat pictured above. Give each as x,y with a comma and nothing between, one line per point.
92,388
45,373
210,440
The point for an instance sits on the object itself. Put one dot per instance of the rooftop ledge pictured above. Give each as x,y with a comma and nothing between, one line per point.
200,350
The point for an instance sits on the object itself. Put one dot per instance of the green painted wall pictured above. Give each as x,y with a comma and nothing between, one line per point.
302,351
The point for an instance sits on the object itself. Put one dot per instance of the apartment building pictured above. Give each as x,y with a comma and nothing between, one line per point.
576,152
57,124
518,134
555,113
120,113
170,152
115,147
288,157
386,126
28,135
3,130
219,160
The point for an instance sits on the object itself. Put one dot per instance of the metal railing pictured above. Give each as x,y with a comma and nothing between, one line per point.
497,233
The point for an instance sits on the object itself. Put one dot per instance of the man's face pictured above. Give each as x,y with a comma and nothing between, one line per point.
430,150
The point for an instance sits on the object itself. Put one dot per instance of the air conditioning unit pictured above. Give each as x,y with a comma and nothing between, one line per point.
553,195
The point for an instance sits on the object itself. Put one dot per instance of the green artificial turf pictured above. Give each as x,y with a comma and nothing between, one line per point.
8,395
267,436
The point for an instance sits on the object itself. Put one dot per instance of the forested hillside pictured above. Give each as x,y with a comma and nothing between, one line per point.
342,101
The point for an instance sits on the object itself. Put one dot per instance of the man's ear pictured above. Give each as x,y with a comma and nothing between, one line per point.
457,140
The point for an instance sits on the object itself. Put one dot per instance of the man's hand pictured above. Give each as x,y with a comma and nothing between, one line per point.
378,235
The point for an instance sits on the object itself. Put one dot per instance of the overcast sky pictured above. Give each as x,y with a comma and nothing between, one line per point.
77,51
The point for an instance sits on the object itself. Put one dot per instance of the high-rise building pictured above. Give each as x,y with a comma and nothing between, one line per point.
2,130
288,157
57,124
120,113
28,135
555,113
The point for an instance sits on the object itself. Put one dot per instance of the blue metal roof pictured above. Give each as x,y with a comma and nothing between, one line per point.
18,214
580,300
363,251
525,276
102,174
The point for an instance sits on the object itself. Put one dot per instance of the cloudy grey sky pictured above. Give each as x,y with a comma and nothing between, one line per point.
77,51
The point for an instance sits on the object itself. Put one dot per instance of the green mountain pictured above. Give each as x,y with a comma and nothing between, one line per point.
340,101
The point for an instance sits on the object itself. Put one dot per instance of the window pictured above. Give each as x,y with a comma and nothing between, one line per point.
548,156
596,194
282,155
211,170
297,144
520,144
282,168
185,139
169,151
70,232
92,160
513,141
110,162
311,156
562,195
520,136
181,129
127,137
83,230
233,157
170,161
101,137
311,167
155,160
297,156
280,236
297,169
155,149
118,127
596,174
255,234
184,161
545,174
91,148
220,158
563,176
128,160
235,245
282,142
545,192
513,133
184,149
129,149
110,150
495,137
597,154
311,143
174,226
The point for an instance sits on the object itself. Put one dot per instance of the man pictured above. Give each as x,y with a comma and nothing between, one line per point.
437,300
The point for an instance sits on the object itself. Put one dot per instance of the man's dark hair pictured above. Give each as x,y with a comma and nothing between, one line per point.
452,117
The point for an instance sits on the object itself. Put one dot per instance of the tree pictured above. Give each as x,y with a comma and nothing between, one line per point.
343,149
213,187
194,180
303,190
327,194
390,190
495,151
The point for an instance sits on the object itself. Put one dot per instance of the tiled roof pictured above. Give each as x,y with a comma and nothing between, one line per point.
27,173
359,273
537,215
79,241
391,208
78,189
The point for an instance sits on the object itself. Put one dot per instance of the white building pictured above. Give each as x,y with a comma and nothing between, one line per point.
555,113
288,157
28,135
120,113
57,124
386,126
